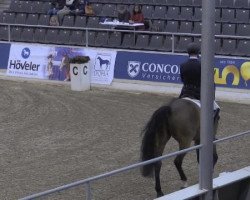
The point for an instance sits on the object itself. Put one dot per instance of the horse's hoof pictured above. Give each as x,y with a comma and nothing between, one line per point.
185,185
160,194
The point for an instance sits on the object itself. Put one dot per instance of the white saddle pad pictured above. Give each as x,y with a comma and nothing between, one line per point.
198,102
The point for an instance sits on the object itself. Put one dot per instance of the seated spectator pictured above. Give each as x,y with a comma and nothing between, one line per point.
54,20
137,16
55,6
60,4
123,14
53,9
89,11
71,5
80,8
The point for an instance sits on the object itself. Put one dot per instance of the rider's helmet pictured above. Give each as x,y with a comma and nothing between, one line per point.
193,48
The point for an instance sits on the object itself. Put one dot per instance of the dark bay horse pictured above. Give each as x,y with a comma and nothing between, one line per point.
179,119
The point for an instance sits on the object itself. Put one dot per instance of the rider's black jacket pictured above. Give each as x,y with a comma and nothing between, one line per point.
190,72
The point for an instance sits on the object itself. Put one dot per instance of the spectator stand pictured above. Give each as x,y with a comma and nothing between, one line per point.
179,21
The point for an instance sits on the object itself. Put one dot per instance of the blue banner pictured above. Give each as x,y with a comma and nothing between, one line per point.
148,67
4,55
232,73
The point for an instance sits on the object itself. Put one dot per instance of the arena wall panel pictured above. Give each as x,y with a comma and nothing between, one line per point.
4,55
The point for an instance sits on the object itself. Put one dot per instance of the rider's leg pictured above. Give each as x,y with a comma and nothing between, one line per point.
216,111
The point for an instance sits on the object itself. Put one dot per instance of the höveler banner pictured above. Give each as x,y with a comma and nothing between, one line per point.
27,61
48,62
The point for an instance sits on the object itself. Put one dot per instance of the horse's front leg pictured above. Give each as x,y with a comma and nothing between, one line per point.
215,155
197,142
157,179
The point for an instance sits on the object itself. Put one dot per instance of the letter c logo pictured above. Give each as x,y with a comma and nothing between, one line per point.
75,70
85,70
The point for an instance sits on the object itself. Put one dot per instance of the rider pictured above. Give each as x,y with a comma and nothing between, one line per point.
190,72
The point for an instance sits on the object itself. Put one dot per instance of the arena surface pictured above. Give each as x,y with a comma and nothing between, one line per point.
51,136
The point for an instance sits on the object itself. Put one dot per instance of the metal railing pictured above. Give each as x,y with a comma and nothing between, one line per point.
124,169
87,181
109,30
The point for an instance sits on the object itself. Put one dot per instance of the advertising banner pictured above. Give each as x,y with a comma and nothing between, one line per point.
27,61
4,55
103,64
53,63
232,73
58,62
148,67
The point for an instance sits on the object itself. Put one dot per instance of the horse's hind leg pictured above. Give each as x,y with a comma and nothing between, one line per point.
158,165
157,179
178,162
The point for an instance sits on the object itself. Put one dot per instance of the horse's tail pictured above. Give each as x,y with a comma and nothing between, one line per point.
157,125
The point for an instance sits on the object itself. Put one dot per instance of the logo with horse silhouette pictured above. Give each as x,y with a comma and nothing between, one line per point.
102,62
133,68
25,53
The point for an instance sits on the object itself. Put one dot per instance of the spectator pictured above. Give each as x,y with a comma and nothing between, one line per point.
89,11
137,16
60,4
55,6
80,7
123,14
54,20
71,5
53,9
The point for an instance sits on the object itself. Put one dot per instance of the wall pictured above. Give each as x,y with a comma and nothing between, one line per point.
125,70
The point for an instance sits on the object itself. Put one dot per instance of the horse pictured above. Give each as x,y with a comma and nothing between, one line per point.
179,119
103,62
